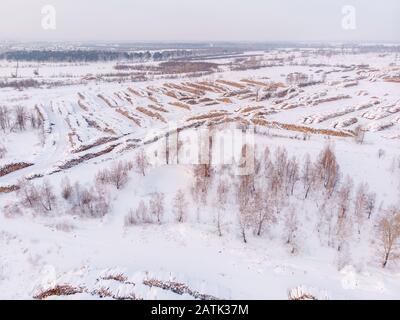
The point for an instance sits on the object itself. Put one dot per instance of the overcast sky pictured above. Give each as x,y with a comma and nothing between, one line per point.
200,20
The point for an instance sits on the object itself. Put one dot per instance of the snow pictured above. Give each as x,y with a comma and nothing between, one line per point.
40,252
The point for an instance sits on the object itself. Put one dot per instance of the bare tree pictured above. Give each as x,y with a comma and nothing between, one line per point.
4,118
222,198
389,230
142,162
263,211
156,205
291,227
118,175
359,134
371,199
245,216
47,197
308,176
292,175
3,152
343,220
28,193
180,206
66,189
202,174
20,118
328,170
361,205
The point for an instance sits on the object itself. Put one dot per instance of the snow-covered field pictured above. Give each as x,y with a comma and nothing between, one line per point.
85,164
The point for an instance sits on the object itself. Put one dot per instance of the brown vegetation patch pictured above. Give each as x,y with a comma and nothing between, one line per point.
59,290
9,168
180,105
304,129
157,108
107,101
151,114
128,115
9,189
208,116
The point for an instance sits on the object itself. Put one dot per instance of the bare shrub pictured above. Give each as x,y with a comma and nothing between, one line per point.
131,218
142,212
28,194
291,228
142,162
138,216
359,134
47,197
4,118
102,177
66,189
20,118
118,175
156,206
12,211
91,203
3,152
180,206
64,226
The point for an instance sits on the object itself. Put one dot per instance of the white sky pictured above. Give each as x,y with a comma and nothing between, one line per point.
201,20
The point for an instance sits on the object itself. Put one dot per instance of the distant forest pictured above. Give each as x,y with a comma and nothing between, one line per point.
100,55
